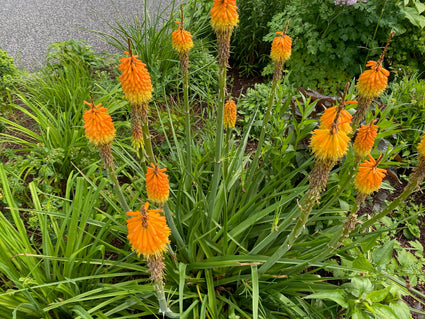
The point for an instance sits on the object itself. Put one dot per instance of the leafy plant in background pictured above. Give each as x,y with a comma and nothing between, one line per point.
62,53
333,40
409,91
50,116
411,61
413,11
250,53
254,103
367,297
8,76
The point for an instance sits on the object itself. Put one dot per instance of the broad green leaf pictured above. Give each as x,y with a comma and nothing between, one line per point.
414,17
360,314
343,204
383,255
370,242
384,311
418,246
378,295
401,310
362,263
406,258
360,287
339,296
419,6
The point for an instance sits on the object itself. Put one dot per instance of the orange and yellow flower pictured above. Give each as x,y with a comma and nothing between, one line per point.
365,139
224,15
421,148
181,40
157,185
281,48
229,116
148,231
329,144
98,124
373,82
135,80
343,122
369,177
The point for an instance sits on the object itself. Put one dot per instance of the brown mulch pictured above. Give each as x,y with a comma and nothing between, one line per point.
240,84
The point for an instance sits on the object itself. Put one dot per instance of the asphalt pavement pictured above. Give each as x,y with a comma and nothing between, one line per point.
27,27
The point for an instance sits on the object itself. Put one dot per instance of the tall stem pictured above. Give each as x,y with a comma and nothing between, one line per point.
343,232
187,129
263,128
377,26
318,180
219,138
163,307
117,189
226,152
147,140
305,207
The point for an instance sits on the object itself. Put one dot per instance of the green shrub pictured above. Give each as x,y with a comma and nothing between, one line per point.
409,92
331,43
62,53
8,74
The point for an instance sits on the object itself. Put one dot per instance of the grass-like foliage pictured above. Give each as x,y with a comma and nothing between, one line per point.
260,227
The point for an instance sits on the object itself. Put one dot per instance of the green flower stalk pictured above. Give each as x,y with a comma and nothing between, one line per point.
224,18
328,144
182,43
280,52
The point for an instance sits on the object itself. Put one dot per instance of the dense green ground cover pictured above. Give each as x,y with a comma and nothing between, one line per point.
64,251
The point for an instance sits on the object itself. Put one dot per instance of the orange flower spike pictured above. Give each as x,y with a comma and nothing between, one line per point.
365,139
281,48
181,40
98,125
224,15
135,79
344,120
229,116
421,148
148,231
329,144
369,177
373,82
157,185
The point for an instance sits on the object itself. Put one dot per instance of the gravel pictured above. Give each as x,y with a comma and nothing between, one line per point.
29,26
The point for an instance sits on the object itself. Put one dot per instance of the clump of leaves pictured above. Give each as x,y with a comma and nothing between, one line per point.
331,43
62,53
409,92
8,74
